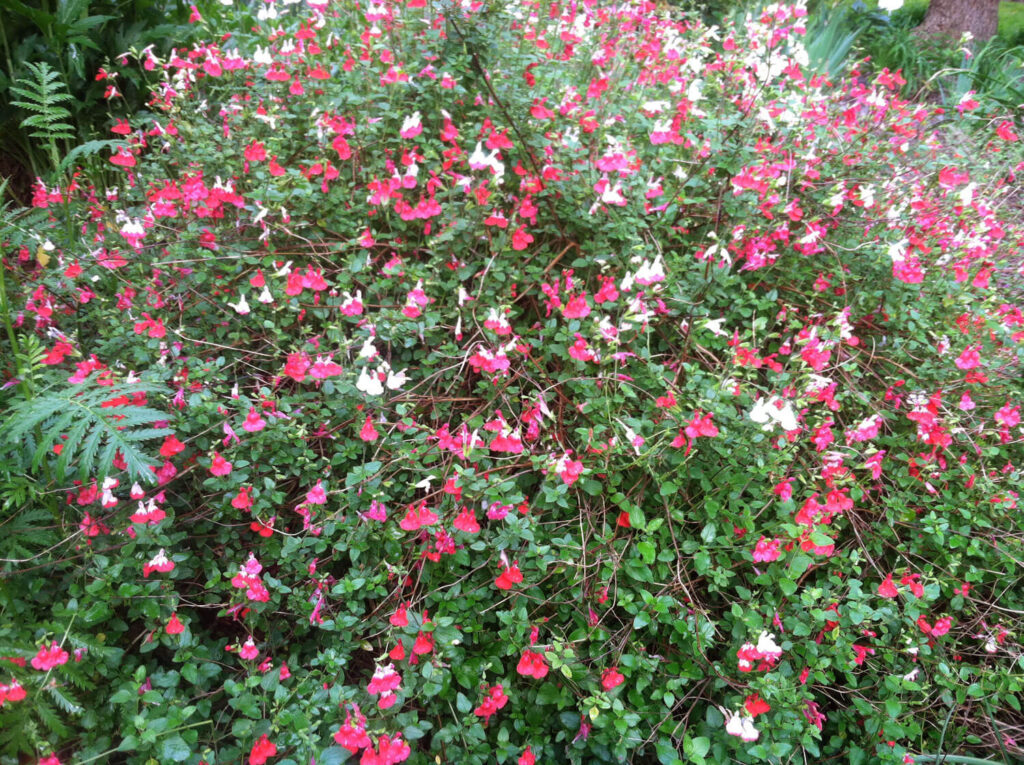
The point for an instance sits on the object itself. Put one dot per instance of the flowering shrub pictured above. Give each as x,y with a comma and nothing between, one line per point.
558,382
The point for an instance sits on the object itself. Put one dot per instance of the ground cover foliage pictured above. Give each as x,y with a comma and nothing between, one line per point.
525,382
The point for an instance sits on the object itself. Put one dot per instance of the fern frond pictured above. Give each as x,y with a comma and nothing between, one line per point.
67,703
87,149
50,719
42,94
98,430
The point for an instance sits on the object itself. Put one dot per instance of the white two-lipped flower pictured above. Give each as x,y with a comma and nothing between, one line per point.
742,726
769,413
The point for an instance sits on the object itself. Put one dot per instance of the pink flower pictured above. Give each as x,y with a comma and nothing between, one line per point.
174,626
388,752
577,307
242,500
384,679
253,421
766,550
701,425
942,626
220,466
49,657
1005,131
861,654
400,618
249,649
255,152
317,495
418,516
298,363
353,736
123,158
527,758
969,359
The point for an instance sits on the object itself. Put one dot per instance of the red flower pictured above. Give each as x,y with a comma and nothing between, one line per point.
171,446
887,589
521,239
527,758
368,432
466,521
123,158
494,701
262,750
255,152
532,664
423,644
12,692
417,516
160,563
755,705
174,626
509,577
612,678
400,618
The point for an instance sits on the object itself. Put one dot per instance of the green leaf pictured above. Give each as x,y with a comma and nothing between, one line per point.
174,749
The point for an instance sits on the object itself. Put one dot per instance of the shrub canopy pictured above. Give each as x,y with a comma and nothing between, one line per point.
468,382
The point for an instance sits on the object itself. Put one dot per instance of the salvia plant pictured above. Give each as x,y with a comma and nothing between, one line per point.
521,382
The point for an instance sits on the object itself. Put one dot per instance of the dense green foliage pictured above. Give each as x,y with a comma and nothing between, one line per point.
450,382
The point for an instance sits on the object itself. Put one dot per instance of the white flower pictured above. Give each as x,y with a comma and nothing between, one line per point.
396,379
241,307
265,296
768,414
650,273
368,351
890,5
911,676
369,384
715,326
735,725
411,122
766,644
478,160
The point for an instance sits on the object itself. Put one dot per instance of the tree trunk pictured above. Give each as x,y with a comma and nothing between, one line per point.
954,17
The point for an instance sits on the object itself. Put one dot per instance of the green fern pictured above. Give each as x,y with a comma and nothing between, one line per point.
91,434
87,149
42,94
63,698
26,533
